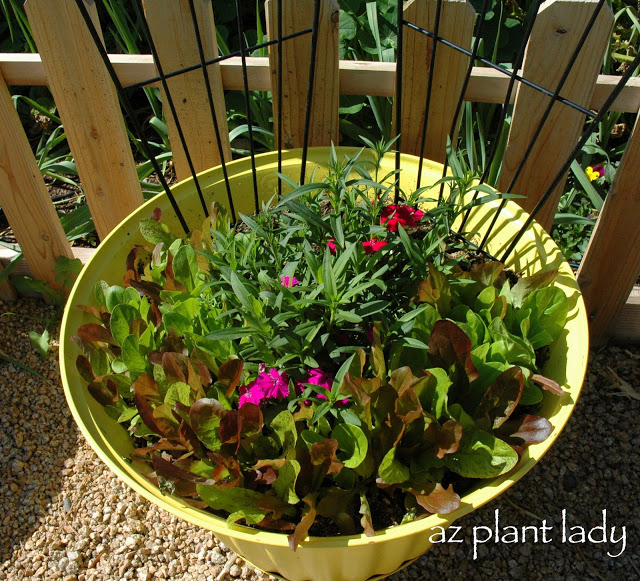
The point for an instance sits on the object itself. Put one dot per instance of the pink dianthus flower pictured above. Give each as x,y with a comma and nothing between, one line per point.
321,378
289,281
268,385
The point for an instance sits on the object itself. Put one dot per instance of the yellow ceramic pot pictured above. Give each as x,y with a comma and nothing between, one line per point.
348,558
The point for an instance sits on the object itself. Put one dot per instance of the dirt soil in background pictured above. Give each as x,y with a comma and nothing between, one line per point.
64,515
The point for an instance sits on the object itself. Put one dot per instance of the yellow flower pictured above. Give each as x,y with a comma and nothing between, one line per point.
593,173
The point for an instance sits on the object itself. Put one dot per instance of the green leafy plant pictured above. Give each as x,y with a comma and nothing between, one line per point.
338,352
581,204
18,25
66,269
367,32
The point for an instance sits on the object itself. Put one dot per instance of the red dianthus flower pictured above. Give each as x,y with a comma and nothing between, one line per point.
393,215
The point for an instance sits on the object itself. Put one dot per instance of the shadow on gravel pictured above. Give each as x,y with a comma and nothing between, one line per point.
37,432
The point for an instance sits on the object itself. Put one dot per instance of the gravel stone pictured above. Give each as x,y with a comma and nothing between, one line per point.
65,516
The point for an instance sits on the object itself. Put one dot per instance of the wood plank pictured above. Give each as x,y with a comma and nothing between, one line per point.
356,78
23,268
174,35
450,67
24,197
626,327
89,109
296,60
557,30
611,264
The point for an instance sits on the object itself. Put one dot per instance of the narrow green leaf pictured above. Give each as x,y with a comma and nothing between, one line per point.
587,186
240,288
307,215
231,333
328,276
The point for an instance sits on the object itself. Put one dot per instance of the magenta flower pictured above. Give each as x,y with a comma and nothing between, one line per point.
289,281
373,245
321,378
393,215
332,245
268,385
250,394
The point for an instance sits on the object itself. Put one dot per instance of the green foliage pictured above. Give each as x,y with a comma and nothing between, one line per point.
504,28
40,342
367,32
626,35
66,269
579,208
16,24
285,368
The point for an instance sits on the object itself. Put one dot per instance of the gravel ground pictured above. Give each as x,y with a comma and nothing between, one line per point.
63,515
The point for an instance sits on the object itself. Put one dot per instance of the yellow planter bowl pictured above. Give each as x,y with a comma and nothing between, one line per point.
318,558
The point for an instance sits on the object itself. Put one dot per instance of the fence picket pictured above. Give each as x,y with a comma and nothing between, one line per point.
89,109
297,15
456,25
174,35
24,197
557,30
611,264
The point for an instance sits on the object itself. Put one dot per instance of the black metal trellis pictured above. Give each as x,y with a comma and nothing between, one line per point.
585,137
126,105
512,80
214,117
152,45
546,114
500,68
398,103
279,127
245,80
312,69
456,116
503,115
219,59
427,105
514,77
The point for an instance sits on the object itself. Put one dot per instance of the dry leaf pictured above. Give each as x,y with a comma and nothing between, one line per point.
626,389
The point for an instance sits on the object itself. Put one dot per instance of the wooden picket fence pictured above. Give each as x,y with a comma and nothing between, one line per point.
70,64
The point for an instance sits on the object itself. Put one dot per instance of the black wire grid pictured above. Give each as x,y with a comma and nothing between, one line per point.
513,75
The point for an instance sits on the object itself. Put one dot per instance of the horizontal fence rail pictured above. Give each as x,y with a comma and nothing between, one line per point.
356,78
